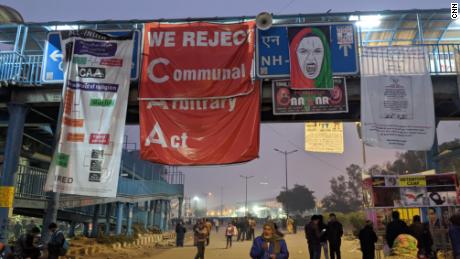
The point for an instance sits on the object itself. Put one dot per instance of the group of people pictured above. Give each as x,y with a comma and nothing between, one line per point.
28,245
414,241
322,236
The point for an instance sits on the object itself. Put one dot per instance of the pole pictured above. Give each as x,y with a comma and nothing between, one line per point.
285,166
246,200
221,201
286,153
246,178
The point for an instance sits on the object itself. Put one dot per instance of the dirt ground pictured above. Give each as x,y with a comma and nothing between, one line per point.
296,244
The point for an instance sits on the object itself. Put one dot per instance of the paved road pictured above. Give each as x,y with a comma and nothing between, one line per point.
216,250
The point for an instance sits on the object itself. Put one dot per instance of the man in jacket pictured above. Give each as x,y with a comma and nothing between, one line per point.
56,243
313,234
422,233
367,240
395,228
334,236
201,237
269,245
454,233
180,234
25,246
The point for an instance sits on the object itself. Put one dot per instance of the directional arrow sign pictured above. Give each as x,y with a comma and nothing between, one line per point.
345,49
56,55
52,58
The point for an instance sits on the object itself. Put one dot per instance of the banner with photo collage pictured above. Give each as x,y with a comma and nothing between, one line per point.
414,190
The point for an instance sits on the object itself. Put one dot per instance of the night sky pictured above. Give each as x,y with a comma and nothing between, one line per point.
311,169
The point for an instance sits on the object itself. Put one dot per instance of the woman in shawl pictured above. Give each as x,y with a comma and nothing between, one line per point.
404,247
310,60
269,245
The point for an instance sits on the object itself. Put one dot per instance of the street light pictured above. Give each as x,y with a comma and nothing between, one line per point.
246,201
286,153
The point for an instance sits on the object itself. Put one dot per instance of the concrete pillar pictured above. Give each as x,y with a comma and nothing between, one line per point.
95,220
181,204
166,215
17,115
119,219
146,214
157,213
151,213
108,214
162,217
129,230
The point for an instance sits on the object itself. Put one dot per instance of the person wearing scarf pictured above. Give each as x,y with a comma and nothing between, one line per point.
310,60
270,245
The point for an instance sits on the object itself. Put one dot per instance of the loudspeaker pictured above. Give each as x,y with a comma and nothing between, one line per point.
264,21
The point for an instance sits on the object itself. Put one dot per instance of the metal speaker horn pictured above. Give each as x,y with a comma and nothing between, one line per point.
264,21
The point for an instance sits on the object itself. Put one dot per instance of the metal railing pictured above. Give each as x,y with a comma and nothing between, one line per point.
30,183
26,69
442,58
20,69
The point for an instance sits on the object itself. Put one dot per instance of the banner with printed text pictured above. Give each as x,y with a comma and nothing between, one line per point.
289,101
197,60
326,137
200,131
95,94
397,103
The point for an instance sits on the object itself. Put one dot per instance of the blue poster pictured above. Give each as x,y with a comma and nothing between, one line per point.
272,50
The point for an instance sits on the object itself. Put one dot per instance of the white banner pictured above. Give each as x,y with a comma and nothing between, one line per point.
324,137
397,103
95,94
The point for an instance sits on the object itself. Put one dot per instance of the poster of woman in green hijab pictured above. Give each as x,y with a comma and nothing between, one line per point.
310,57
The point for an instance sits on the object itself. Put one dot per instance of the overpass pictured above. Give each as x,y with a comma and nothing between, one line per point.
37,99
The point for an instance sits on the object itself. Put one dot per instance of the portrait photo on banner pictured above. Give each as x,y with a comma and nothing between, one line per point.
310,54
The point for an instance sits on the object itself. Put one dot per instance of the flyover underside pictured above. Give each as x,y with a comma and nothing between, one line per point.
44,102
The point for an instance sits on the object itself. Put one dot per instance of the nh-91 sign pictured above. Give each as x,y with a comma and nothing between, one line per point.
272,49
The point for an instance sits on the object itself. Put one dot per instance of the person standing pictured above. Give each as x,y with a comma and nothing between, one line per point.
239,227
17,230
229,233
245,229
269,245
216,225
422,233
334,236
395,228
367,240
31,225
201,237
252,229
25,246
195,232
56,244
180,234
208,226
454,234
289,225
313,235
323,236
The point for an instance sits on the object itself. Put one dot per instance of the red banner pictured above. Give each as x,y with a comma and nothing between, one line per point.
200,132
197,60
